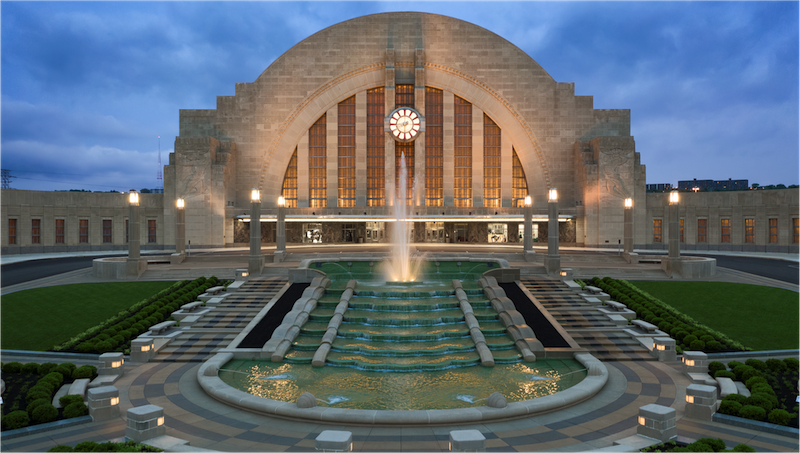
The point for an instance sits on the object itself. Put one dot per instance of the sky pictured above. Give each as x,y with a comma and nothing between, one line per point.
86,88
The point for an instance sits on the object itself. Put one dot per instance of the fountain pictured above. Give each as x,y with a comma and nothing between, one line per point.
401,340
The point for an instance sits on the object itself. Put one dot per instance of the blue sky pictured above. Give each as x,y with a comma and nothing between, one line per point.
88,87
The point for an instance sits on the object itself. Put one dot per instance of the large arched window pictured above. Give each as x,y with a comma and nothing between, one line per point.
462,153
519,184
347,153
434,157
491,163
376,154
317,163
289,190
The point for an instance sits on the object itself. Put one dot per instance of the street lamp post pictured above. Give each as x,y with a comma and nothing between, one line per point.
134,265
527,235
180,232
674,233
627,240
552,261
256,261
280,232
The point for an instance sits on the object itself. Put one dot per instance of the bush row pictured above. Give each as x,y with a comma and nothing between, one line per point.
117,335
706,444
106,446
688,333
39,397
759,376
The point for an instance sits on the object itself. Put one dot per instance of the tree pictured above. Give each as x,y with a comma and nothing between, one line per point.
755,185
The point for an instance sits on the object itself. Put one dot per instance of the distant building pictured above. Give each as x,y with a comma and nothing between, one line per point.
711,185
658,187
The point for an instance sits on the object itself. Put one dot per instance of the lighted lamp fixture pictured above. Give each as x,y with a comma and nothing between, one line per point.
688,362
563,273
673,197
255,195
281,201
116,364
133,198
641,420
528,200
690,399
629,203
160,421
114,401
180,203
552,195
661,347
245,274
146,348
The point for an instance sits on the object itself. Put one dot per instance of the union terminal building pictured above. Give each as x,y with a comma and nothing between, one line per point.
324,127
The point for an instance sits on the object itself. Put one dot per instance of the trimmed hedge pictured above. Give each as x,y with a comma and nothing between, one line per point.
15,420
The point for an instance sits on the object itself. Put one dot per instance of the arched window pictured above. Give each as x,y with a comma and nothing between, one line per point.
317,164
491,163
376,154
347,153
434,157
462,153
519,184
289,190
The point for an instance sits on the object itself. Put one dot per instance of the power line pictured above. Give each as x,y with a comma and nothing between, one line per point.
6,178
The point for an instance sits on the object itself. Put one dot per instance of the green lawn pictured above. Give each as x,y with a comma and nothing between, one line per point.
759,317
38,319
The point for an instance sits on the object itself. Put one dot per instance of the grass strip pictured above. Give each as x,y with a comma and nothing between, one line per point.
760,317
36,319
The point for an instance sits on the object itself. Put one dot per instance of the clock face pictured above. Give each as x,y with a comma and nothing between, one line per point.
404,124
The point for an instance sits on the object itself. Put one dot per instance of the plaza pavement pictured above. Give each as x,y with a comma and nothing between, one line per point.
205,423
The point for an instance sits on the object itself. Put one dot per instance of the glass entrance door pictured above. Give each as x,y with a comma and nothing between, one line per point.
434,231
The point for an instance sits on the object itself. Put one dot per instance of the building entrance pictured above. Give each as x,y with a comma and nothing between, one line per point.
375,231
434,231
498,232
312,233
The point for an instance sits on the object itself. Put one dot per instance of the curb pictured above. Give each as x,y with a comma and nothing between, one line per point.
752,354
755,425
48,355
36,429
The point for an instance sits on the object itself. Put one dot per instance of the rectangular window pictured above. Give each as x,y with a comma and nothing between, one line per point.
106,231
151,231
773,231
491,163
406,151
434,156
702,230
36,225
376,153
318,163
656,230
795,231
289,190
404,95
59,231
750,230
725,234
126,231
347,153
680,227
462,153
83,231
519,185
12,231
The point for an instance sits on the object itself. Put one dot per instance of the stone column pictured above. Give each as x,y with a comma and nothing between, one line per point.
664,349
657,422
628,222
180,227
701,401
142,349
552,262
527,235
103,403
280,232
111,364
695,362
145,423
134,265
256,261
674,229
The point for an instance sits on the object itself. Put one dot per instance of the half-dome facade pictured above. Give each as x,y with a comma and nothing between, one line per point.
478,123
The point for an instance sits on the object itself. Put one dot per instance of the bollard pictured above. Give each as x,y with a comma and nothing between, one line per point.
467,440
111,364
103,403
695,362
142,349
145,423
657,422
664,349
701,401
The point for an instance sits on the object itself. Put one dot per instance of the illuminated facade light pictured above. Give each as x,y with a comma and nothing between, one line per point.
690,399
673,197
114,401
160,421
661,347
281,201
180,203
255,195
641,420
116,364
133,198
689,362
629,203
528,200
552,195
146,348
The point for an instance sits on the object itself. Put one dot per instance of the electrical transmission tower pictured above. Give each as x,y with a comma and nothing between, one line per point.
160,174
6,177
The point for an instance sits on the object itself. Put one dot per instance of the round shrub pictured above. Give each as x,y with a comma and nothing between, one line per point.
754,380
61,448
103,346
760,400
699,447
724,373
77,409
673,332
65,371
139,326
12,367
151,320
137,318
752,412
713,345
733,364
757,364
779,417
688,339
739,371
699,332
15,420
665,326
88,445
47,368
118,338
102,337
792,363
706,338
657,320
86,371
44,413
126,324
762,388
778,366
87,346
715,444
730,407
715,366
56,378
30,368
736,397
697,345
66,400
752,372
36,403
44,384
681,335
743,447
37,394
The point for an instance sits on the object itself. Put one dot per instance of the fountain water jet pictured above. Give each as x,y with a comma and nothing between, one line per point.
403,267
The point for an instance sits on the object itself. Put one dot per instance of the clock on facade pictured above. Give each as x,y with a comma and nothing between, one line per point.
404,124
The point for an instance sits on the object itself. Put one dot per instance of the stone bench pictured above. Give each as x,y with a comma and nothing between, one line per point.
619,306
644,325
191,306
592,289
726,387
618,320
214,290
233,287
161,327
78,387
